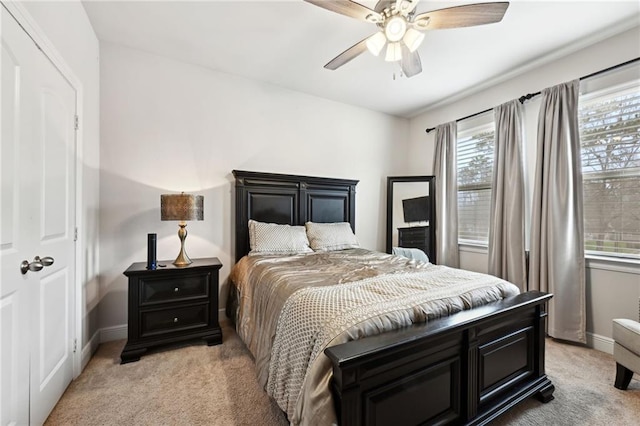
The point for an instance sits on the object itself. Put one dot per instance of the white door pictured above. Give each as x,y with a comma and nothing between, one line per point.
37,159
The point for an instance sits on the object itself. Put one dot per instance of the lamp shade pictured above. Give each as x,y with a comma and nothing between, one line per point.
181,207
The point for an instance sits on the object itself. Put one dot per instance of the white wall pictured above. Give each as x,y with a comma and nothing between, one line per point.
169,126
612,289
68,28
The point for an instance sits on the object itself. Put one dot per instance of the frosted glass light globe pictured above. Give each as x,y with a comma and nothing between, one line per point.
395,28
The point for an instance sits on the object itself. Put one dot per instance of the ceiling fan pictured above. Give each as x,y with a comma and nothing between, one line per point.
401,29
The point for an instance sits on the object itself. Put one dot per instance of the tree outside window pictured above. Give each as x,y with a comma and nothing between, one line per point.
475,172
610,141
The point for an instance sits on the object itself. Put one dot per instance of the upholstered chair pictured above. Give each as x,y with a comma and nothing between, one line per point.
626,350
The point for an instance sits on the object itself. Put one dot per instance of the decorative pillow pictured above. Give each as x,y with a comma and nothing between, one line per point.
331,236
411,253
271,238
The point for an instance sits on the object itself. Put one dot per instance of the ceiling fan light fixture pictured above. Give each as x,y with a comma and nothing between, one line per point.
395,28
394,52
376,42
413,39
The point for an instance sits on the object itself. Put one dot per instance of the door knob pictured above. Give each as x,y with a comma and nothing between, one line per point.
46,261
34,266
37,264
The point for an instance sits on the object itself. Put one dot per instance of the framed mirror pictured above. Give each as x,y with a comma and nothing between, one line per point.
411,214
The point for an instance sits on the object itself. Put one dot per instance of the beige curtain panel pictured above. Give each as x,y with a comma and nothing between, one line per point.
445,171
557,241
506,223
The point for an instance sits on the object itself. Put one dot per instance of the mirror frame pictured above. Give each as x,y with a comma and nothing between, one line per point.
431,180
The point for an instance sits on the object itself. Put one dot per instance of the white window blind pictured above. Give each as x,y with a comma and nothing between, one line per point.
610,150
475,173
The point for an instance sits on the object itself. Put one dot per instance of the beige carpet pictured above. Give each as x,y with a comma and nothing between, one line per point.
217,385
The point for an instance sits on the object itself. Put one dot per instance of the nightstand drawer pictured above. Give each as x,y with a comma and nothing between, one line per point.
421,233
174,319
154,290
415,239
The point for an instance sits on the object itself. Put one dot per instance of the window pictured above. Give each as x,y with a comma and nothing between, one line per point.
475,173
610,149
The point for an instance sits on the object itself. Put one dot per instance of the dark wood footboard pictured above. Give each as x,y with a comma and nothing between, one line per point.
467,368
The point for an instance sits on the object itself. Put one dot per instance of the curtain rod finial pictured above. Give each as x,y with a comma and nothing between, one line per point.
527,97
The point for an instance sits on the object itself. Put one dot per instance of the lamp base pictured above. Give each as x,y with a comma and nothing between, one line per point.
182,259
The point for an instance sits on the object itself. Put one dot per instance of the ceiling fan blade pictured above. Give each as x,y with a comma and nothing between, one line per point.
461,16
349,8
410,63
347,55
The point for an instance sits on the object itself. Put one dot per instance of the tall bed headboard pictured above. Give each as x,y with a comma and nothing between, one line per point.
291,200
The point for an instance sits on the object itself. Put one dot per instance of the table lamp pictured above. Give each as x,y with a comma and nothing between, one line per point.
181,207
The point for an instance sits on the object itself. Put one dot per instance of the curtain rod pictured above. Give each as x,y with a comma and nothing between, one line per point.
464,118
528,96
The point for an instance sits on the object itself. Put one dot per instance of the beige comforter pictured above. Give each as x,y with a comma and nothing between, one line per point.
292,307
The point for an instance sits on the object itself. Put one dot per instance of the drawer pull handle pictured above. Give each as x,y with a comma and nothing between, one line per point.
175,290
175,320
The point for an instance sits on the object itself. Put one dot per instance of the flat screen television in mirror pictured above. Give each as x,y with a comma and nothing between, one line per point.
416,209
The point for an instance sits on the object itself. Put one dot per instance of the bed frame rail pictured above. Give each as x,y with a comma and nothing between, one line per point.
467,368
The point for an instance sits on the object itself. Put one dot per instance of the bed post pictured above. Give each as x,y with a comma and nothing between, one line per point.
470,386
242,242
348,405
546,393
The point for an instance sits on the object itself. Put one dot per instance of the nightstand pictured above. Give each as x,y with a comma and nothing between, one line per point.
170,305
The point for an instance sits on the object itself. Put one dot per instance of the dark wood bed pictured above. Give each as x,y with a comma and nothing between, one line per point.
467,368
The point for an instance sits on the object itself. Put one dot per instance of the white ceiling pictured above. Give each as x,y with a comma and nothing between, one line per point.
287,43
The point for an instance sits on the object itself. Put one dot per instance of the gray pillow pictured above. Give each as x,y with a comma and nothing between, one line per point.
271,238
331,236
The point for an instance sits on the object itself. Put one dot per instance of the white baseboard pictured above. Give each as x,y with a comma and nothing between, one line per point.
116,332
89,349
600,343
